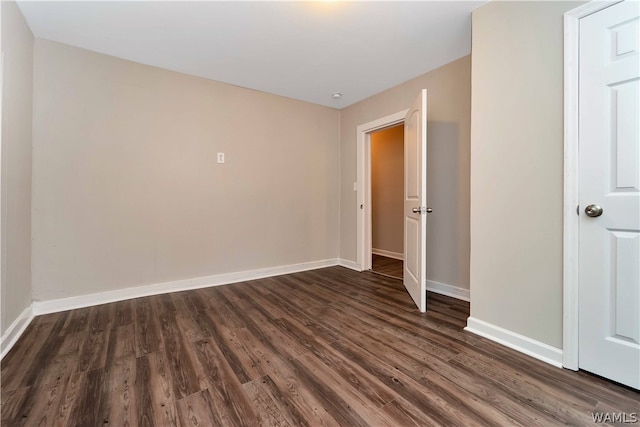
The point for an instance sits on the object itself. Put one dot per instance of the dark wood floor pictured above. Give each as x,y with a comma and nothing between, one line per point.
325,347
385,265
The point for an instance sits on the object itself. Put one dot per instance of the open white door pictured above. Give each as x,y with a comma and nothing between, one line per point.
415,198
609,188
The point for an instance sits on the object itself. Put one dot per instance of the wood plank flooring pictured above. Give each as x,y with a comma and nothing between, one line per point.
320,348
385,265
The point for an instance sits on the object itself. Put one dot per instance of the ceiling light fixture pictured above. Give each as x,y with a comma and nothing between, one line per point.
336,95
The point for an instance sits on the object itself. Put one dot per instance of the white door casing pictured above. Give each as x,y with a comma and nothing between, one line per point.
415,198
609,177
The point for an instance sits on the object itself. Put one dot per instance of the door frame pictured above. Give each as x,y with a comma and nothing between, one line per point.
571,220
363,184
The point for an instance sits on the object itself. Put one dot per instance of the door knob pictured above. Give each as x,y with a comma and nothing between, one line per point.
593,211
421,210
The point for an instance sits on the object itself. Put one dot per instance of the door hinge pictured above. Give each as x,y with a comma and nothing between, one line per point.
578,210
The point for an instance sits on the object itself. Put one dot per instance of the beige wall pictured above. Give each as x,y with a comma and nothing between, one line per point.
448,118
387,187
516,169
127,191
17,87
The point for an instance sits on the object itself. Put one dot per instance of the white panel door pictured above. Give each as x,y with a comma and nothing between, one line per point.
609,249
415,198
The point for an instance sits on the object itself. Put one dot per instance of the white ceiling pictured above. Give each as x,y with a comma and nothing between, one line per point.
302,50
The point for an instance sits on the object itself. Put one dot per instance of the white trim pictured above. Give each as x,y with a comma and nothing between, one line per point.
571,230
363,166
349,264
15,331
63,304
388,254
515,341
448,290
2,217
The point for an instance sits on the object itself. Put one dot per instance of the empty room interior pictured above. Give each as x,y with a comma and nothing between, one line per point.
320,213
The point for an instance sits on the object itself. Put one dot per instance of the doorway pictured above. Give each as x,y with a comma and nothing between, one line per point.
414,272
363,184
387,187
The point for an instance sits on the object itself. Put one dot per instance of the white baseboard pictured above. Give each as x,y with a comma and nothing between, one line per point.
521,343
63,304
15,330
448,290
388,254
349,264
